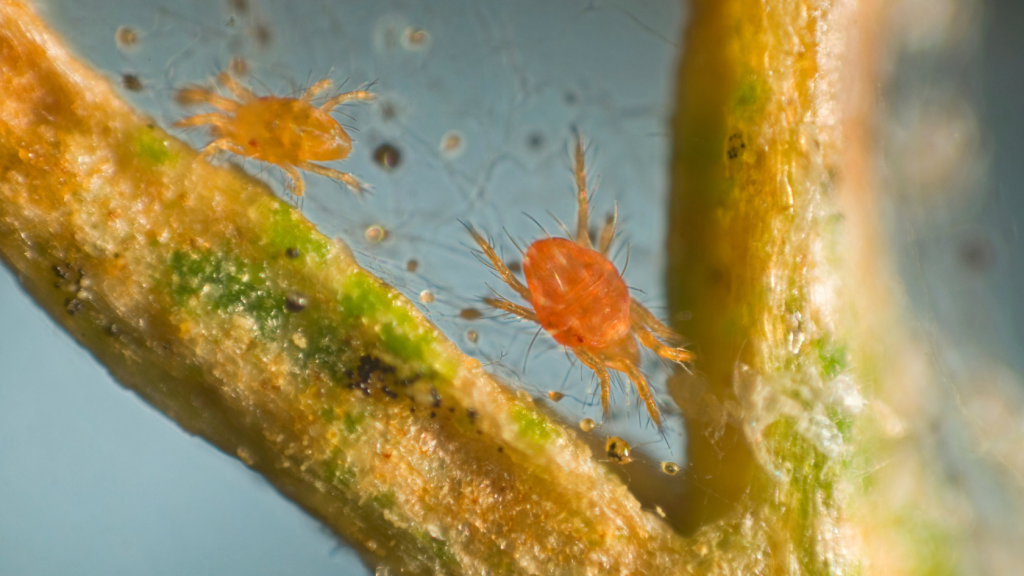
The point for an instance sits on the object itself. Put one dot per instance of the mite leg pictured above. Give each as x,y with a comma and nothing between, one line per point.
214,147
240,92
643,317
342,98
195,95
521,311
644,390
608,232
298,185
503,270
345,177
316,89
674,354
215,118
602,375
583,215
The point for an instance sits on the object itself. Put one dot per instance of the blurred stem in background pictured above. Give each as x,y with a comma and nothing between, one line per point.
814,409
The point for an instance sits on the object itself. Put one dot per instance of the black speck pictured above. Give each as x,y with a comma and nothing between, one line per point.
371,365
515,266
72,306
436,397
387,392
451,410
62,270
433,414
472,415
387,156
501,448
296,302
735,146
292,253
131,82
412,409
362,387
977,254
535,141
261,32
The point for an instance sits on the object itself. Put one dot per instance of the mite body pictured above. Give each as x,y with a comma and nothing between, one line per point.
290,133
578,296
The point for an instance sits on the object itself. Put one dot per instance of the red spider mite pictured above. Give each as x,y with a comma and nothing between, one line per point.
579,297
288,132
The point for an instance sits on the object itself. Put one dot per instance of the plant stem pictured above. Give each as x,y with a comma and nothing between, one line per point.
221,306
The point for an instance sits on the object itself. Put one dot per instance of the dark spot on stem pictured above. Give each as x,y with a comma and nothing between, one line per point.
62,270
735,146
296,302
72,306
292,253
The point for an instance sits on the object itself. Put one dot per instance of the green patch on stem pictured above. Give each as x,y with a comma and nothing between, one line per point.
832,356
402,333
327,414
533,426
151,147
228,285
749,97
384,500
337,473
808,492
288,229
352,421
439,550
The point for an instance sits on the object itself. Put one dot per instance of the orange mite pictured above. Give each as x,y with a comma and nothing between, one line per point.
288,132
580,298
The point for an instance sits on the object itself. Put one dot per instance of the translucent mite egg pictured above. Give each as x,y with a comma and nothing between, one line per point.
670,468
587,424
452,144
375,233
126,37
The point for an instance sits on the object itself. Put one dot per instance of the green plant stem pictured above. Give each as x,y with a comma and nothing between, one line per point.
768,134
